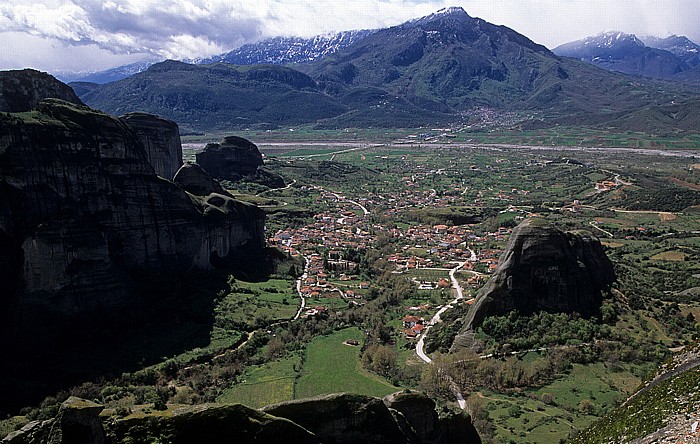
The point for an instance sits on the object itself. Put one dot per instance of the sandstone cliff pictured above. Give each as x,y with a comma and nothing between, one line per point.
544,268
21,91
160,138
84,220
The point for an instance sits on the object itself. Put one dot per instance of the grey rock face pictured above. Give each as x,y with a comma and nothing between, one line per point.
232,159
160,138
544,268
83,213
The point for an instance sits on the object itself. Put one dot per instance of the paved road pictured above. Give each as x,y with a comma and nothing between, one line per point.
286,187
436,318
343,198
595,225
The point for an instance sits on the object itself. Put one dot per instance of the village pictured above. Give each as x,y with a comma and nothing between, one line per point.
332,246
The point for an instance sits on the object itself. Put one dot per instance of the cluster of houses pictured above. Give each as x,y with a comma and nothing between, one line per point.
413,326
325,243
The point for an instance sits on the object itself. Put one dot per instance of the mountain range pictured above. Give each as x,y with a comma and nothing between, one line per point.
276,50
428,71
672,58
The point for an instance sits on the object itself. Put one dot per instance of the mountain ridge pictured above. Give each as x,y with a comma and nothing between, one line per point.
429,71
617,51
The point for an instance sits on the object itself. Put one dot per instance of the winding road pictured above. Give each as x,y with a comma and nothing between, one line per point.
436,318
365,211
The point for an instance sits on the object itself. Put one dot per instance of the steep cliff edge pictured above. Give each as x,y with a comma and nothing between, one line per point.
160,138
544,268
84,220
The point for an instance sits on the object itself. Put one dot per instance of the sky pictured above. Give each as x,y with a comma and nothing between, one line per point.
93,35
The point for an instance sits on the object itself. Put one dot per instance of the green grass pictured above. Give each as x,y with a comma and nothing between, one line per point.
333,367
11,424
526,418
265,384
649,411
253,304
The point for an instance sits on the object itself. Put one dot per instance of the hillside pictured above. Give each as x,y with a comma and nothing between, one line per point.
664,410
286,50
218,96
428,71
451,62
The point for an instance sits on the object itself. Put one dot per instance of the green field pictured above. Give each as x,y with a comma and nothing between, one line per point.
266,384
528,418
333,367
254,304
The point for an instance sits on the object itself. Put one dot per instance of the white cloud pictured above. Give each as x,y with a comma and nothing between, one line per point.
192,28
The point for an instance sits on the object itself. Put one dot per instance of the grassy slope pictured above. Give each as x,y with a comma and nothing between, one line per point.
266,384
332,367
526,418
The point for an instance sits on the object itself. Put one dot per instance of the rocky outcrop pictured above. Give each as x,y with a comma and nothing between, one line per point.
232,159
193,179
544,268
420,413
340,418
211,424
346,418
22,90
160,138
85,221
78,421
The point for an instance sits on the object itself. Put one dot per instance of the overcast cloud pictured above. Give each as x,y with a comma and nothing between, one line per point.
95,34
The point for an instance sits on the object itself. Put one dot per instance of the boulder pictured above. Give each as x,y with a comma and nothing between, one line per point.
544,268
232,159
419,411
161,140
78,422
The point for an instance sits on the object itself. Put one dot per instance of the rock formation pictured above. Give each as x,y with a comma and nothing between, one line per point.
231,159
160,138
338,419
430,427
21,91
84,220
193,179
544,268
345,418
